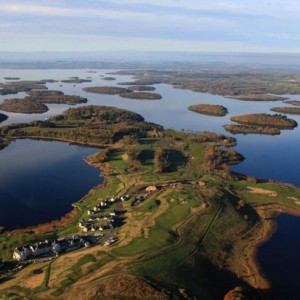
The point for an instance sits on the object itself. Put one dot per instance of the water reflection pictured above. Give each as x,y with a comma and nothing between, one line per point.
40,180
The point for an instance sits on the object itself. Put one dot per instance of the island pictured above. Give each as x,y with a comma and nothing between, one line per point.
287,110
122,92
249,129
15,87
109,78
55,97
50,80
35,101
260,124
266,120
293,102
142,88
75,80
11,78
108,90
23,106
258,97
141,96
3,117
209,109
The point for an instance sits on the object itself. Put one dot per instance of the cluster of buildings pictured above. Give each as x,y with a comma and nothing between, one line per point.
142,197
49,248
98,220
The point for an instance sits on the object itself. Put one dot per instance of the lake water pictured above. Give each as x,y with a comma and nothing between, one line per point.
39,180
274,157
280,259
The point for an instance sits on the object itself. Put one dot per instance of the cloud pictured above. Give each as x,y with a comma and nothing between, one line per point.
41,10
254,24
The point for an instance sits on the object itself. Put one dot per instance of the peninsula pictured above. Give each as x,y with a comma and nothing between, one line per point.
171,219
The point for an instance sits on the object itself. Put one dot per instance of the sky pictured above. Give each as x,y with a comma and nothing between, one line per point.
150,25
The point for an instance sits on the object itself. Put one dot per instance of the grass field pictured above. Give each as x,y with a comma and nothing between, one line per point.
188,238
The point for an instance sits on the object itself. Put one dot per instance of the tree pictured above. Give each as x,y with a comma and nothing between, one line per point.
161,159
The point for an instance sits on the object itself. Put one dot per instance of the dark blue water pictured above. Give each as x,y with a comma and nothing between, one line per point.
270,157
39,180
280,258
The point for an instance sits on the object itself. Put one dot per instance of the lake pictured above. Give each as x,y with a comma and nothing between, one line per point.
274,157
39,180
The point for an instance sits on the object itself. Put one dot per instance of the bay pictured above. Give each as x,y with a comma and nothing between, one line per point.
39,180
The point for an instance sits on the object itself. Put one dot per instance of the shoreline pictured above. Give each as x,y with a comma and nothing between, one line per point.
51,139
268,215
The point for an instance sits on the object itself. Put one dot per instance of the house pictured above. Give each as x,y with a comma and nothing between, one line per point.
103,204
56,248
85,229
40,248
138,199
97,207
82,224
151,189
21,253
90,212
87,244
74,243
63,244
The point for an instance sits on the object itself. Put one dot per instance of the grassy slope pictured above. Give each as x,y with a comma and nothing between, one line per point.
184,237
